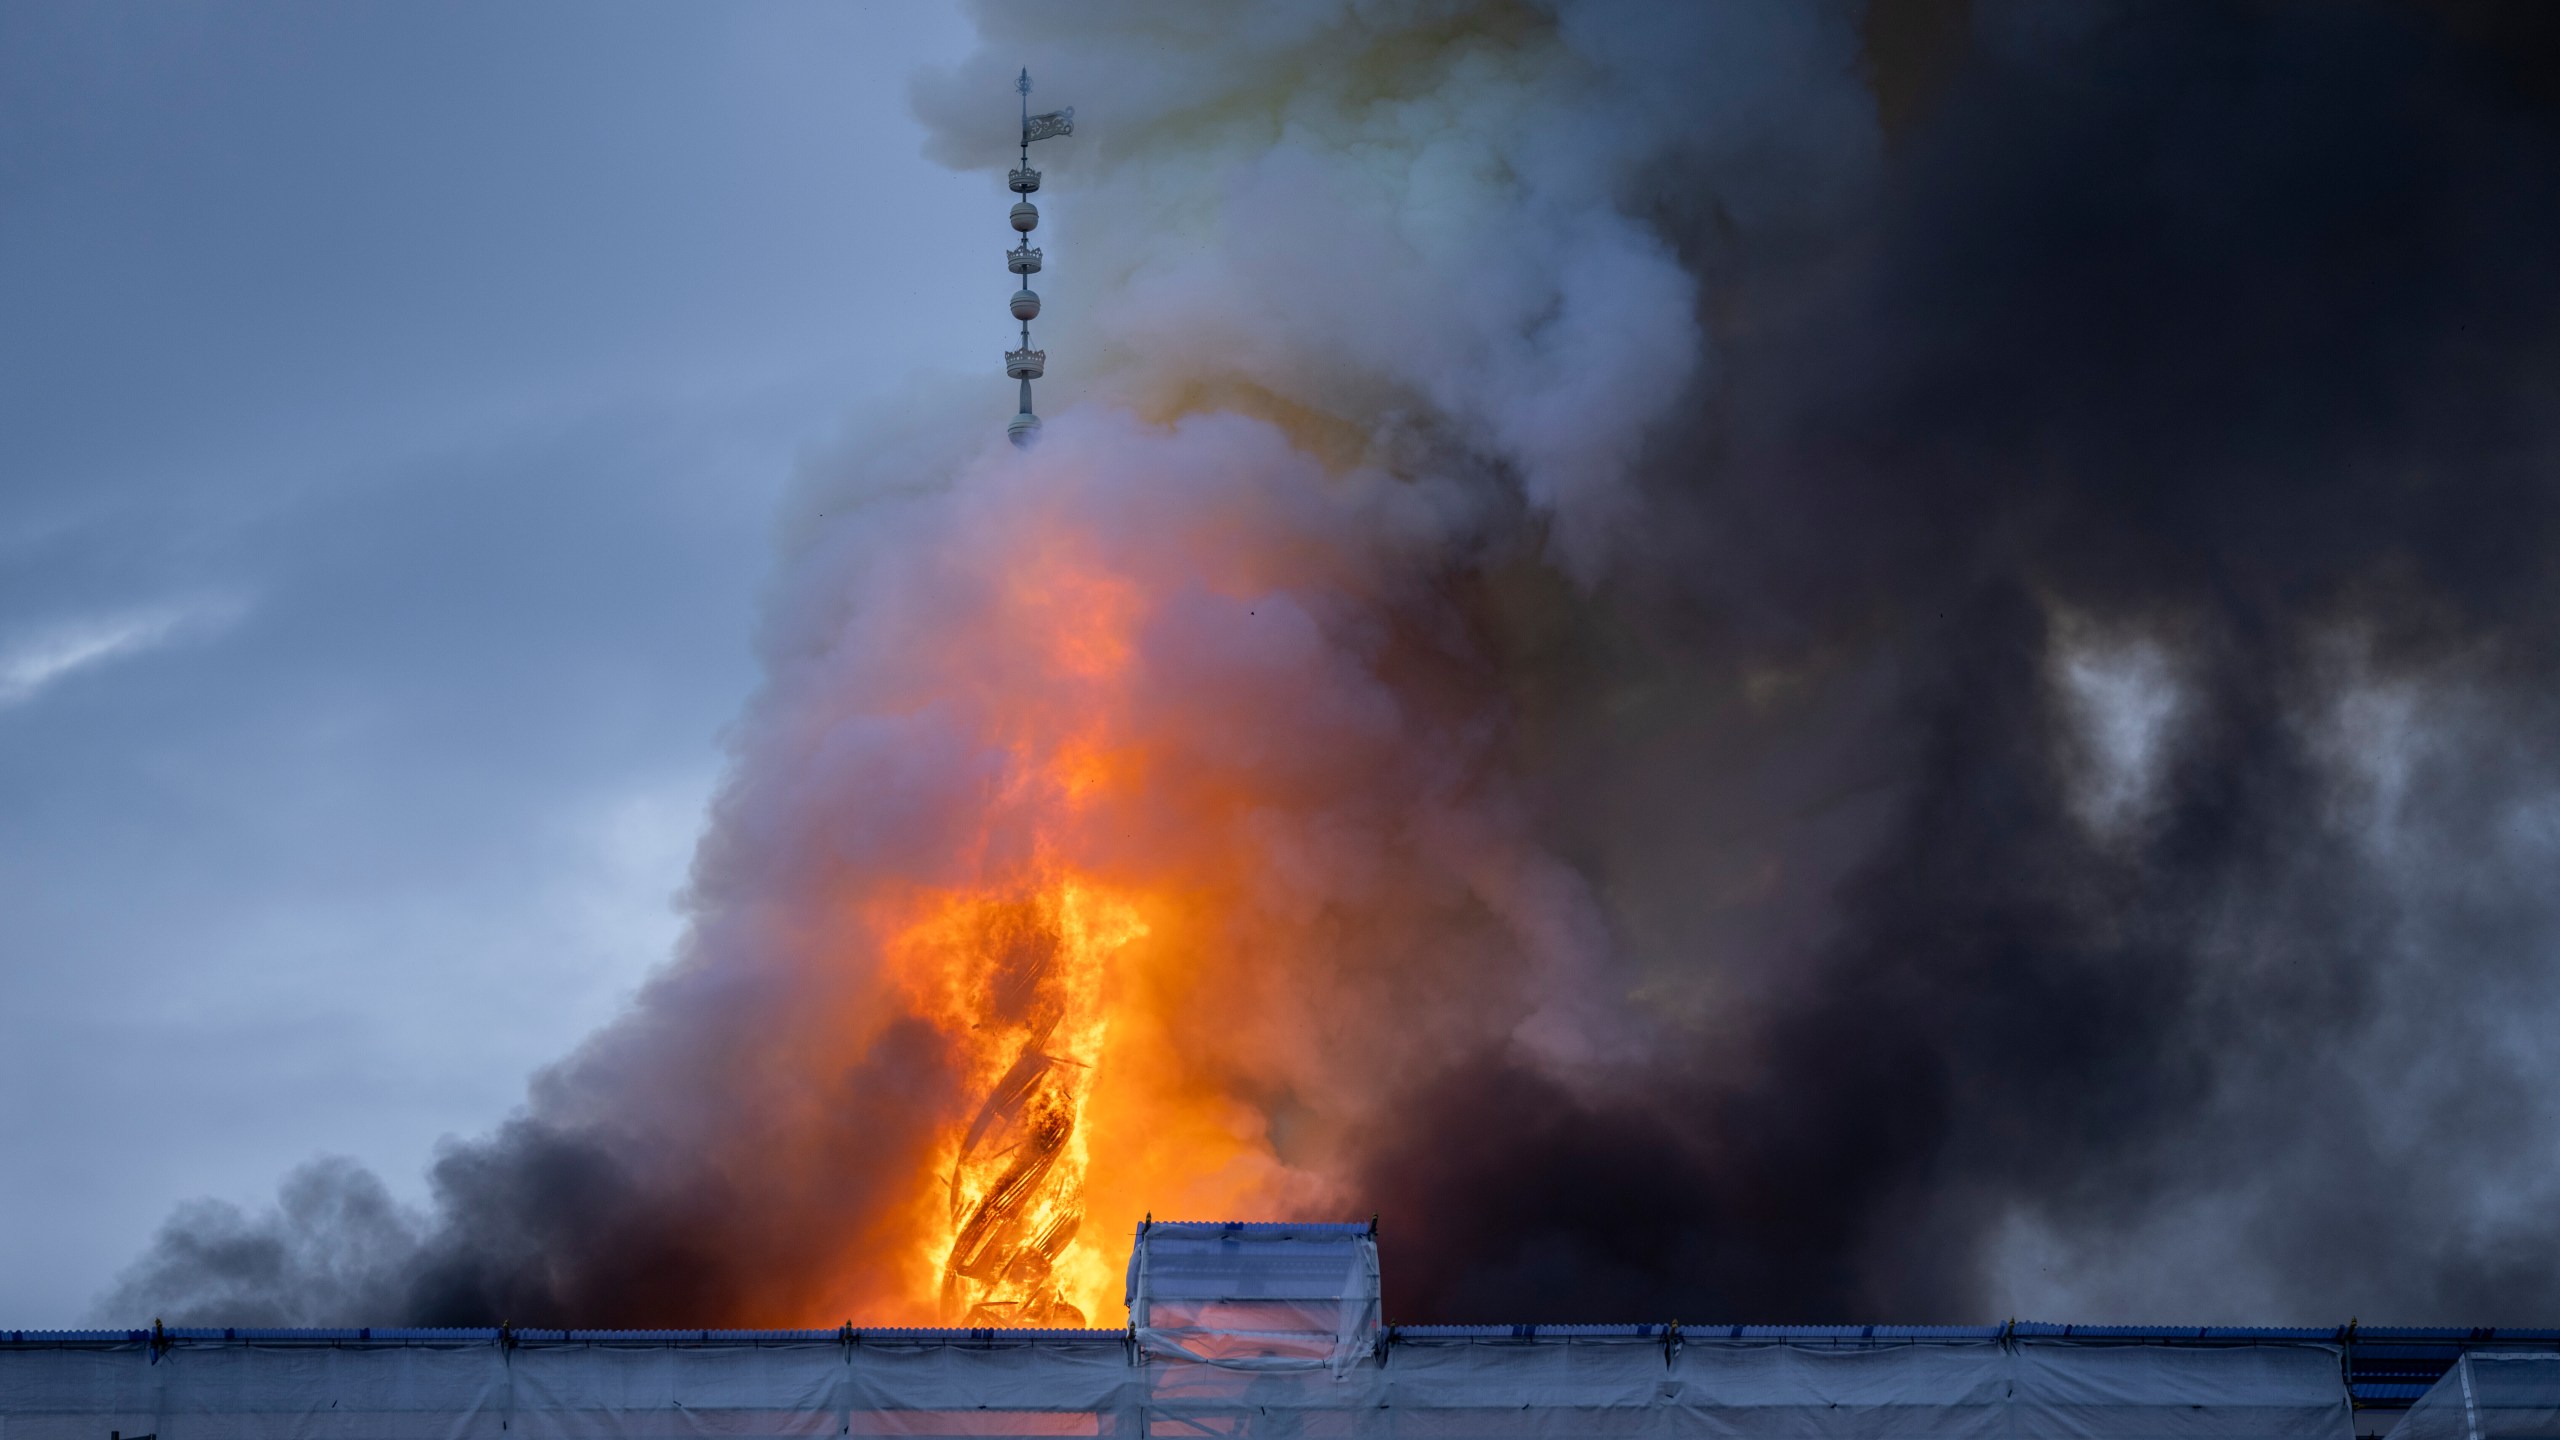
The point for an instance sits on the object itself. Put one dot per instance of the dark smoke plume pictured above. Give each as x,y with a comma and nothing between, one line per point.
2024,774
2205,351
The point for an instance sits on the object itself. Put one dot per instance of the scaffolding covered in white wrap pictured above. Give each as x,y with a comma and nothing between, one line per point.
1237,1331
2489,1396
1255,1296
1017,1383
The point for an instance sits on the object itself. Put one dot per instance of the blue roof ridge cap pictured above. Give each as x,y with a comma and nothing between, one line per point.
1257,1227
539,1335
2045,1329
1544,1328
2370,1340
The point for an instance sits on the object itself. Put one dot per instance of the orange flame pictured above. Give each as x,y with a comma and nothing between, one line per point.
1017,984
1057,986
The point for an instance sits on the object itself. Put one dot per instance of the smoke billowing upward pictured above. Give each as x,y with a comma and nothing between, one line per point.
1781,663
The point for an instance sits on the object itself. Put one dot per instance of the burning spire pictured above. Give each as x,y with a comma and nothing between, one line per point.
1016,1188
1031,966
1026,364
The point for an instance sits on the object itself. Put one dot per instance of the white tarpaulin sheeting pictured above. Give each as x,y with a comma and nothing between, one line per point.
2489,1395
998,1384
1255,1296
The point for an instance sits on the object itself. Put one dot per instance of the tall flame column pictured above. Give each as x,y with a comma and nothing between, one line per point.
1027,364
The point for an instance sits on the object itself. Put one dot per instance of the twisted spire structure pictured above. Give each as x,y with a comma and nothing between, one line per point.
1027,364
1017,1181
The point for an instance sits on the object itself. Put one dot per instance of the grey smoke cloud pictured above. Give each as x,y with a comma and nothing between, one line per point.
1915,725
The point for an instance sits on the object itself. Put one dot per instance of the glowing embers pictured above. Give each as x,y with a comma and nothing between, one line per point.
1020,987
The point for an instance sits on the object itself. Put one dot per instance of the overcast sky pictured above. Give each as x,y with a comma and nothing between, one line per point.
393,404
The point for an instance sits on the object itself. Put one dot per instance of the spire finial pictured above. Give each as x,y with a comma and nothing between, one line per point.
1027,364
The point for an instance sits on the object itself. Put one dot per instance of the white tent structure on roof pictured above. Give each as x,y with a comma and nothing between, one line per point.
2489,1396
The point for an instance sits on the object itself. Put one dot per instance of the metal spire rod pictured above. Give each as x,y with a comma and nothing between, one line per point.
1027,364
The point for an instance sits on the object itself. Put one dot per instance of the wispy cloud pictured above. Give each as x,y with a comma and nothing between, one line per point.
37,659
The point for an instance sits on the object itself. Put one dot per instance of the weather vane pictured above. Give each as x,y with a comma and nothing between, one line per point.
1027,364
